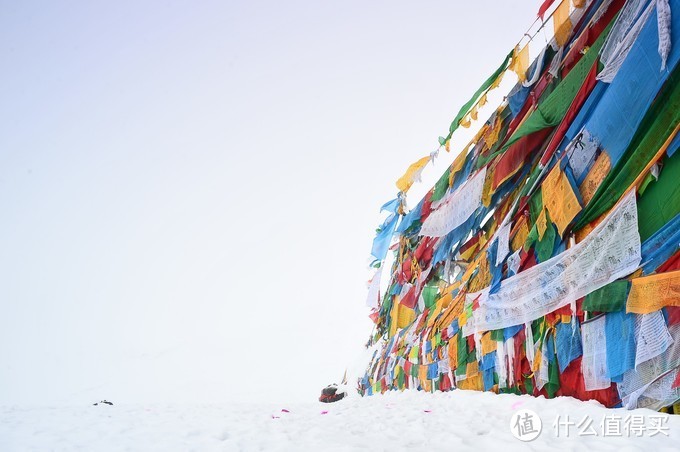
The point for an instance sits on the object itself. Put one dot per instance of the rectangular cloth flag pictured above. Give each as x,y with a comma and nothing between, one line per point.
651,293
562,23
594,362
559,198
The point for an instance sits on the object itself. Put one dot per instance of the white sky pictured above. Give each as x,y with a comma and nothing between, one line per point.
189,190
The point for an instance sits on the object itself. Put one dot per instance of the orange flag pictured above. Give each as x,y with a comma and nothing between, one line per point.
651,293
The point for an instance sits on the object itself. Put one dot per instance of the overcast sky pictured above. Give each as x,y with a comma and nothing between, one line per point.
189,190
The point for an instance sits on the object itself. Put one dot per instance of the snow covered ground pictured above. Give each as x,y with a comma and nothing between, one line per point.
410,421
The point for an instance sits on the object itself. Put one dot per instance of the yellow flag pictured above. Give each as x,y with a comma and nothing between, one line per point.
559,199
582,233
480,133
496,83
413,171
651,293
595,177
541,224
488,344
468,253
462,319
487,189
473,380
472,383
422,372
435,313
472,267
472,369
456,306
492,137
446,300
537,360
520,62
450,312
453,352
483,277
394,316
521,231
406,316
459,162
562,23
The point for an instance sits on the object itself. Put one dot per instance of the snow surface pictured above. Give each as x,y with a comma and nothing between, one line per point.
409,421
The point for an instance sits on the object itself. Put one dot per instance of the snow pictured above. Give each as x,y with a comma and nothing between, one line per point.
409,421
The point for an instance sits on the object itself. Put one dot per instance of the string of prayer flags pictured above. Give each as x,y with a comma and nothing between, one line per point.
489,83
545,260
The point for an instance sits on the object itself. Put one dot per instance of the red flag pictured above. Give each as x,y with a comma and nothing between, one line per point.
517,154
410,299
544,7
673,263
673,315
374,316
572,384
